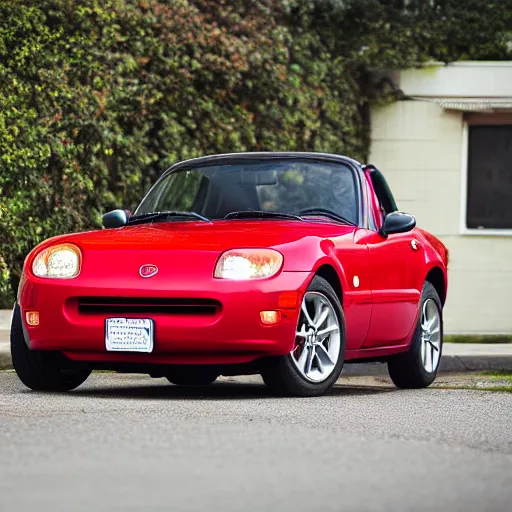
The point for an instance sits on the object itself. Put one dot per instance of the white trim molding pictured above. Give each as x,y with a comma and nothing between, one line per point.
484,105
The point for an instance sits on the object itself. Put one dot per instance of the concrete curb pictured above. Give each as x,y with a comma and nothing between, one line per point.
449,363
5,352
457,357
5,361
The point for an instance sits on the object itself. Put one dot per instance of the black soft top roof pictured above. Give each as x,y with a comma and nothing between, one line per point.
261,155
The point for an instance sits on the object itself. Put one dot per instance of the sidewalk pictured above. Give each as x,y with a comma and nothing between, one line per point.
457,357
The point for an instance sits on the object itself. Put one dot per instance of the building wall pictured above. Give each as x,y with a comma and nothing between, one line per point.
419,147
469,79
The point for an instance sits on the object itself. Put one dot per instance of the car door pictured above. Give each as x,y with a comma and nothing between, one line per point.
394,264
352,255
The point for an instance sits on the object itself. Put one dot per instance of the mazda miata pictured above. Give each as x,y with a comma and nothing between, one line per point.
287,265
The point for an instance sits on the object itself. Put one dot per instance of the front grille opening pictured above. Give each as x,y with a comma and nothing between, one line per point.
117,305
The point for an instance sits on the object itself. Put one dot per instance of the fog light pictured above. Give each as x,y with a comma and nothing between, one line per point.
270,317
32,317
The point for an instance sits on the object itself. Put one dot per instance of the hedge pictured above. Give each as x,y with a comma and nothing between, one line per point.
97,97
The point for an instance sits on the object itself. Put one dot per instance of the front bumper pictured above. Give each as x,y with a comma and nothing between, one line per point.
233,334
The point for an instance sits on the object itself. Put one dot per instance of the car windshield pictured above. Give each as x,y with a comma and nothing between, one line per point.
285,186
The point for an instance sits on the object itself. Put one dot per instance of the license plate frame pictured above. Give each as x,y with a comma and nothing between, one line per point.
117,335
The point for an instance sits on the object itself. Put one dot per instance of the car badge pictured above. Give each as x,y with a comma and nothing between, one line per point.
148,270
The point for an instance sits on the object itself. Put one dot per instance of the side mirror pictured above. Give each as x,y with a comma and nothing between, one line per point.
115,218
397,222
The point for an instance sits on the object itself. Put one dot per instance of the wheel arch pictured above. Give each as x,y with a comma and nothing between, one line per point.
329,273
437,279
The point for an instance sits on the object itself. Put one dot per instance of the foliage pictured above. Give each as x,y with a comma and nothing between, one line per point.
405,31
5,285
473,31
98,96
478,338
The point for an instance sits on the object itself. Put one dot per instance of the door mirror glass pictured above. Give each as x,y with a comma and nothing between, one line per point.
398,222
115,218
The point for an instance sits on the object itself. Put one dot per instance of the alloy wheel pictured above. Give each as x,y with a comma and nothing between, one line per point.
318,338
430,336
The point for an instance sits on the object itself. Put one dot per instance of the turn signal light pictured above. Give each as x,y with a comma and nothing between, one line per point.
288,300
270,317
32,317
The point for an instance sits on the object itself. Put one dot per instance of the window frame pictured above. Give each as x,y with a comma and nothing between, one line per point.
380,192
474,120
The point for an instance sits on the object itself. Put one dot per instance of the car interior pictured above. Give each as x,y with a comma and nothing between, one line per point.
278,189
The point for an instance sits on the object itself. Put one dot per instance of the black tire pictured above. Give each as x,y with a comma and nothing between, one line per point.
192,376
43,370
280,373
406,370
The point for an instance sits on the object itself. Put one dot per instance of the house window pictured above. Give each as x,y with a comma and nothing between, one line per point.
489,180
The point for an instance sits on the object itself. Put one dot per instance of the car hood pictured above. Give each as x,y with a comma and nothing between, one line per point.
201,236
190,250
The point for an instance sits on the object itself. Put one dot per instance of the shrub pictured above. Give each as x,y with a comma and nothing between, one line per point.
6,296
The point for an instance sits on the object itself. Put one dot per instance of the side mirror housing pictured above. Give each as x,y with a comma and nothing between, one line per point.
397,222
115,218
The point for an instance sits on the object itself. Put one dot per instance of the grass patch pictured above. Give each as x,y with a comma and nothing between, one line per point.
498,375
494,380
478,338
505,389
474,387
502,389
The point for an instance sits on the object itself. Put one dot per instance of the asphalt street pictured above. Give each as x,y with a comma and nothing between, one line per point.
124,442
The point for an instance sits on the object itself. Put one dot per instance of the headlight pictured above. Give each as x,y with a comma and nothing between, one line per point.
60,261
242,264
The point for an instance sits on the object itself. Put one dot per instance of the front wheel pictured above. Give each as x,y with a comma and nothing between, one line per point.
418,367
42,370
316,361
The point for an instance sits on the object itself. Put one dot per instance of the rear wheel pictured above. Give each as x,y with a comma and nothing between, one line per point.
418,367
316,360
43,370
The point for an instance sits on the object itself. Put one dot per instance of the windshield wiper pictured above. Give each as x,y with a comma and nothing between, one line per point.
158,216
321,212
256,214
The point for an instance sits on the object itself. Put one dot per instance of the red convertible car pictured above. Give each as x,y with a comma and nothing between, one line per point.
286,265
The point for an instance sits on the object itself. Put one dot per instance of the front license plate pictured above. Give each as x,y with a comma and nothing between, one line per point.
129,335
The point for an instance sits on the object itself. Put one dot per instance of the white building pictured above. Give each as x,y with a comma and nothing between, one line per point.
447,154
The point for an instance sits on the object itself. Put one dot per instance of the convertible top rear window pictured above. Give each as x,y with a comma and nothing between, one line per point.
286,186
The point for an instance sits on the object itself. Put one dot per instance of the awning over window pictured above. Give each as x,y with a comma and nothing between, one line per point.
471,104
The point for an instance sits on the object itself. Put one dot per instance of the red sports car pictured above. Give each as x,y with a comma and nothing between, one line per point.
284,264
